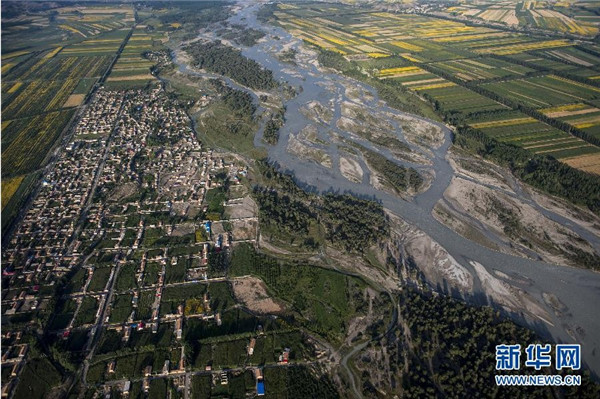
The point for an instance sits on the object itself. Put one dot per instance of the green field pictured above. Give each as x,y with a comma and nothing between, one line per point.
484,68
457,99
99,279
87,311
132,69
320,295
545,91
121,308
467,72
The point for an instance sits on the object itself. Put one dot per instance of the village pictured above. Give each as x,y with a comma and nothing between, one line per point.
131,227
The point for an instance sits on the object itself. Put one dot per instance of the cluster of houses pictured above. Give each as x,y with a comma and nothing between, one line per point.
13,358
41,249
132,156
44,246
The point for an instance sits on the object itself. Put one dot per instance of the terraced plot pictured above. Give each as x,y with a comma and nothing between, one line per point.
469,69
9,187
516,128
106,44
573,55
88,22
459,99
26,141
537,60
132,69
581,116
530,13
545,91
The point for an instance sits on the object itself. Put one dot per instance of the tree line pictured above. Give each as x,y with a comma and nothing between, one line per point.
276,121
349,222
227,61
452,351
540,171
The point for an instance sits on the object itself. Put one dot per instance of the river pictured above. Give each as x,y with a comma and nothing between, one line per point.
577,289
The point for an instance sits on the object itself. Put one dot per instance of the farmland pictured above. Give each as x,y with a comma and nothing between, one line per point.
579,115
320,295
481,68
132,69
162,264
51,60
561,17
471,75
9,187
517,128
545,91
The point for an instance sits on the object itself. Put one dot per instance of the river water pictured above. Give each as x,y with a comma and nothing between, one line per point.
577,289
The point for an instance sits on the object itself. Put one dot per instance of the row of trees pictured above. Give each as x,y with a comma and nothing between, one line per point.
241,35
227,61
271,132
542,172
398,177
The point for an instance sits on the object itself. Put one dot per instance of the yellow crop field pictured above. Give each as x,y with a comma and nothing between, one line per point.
53,52
287,6
71,29
337,50
407,46
507,122
9,187
15,87
365,33
116,41
521,48
378,55
61,96
585,125
410,57
6,67
333,39
146,76
434,86
14,54
399,71
569,109
139,37
464,38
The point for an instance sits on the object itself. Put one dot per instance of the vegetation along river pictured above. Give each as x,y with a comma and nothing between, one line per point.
578,290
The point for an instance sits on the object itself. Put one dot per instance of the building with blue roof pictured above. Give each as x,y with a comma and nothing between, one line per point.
260,388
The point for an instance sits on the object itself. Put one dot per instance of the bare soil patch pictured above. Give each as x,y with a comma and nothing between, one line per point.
74,100
252,292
